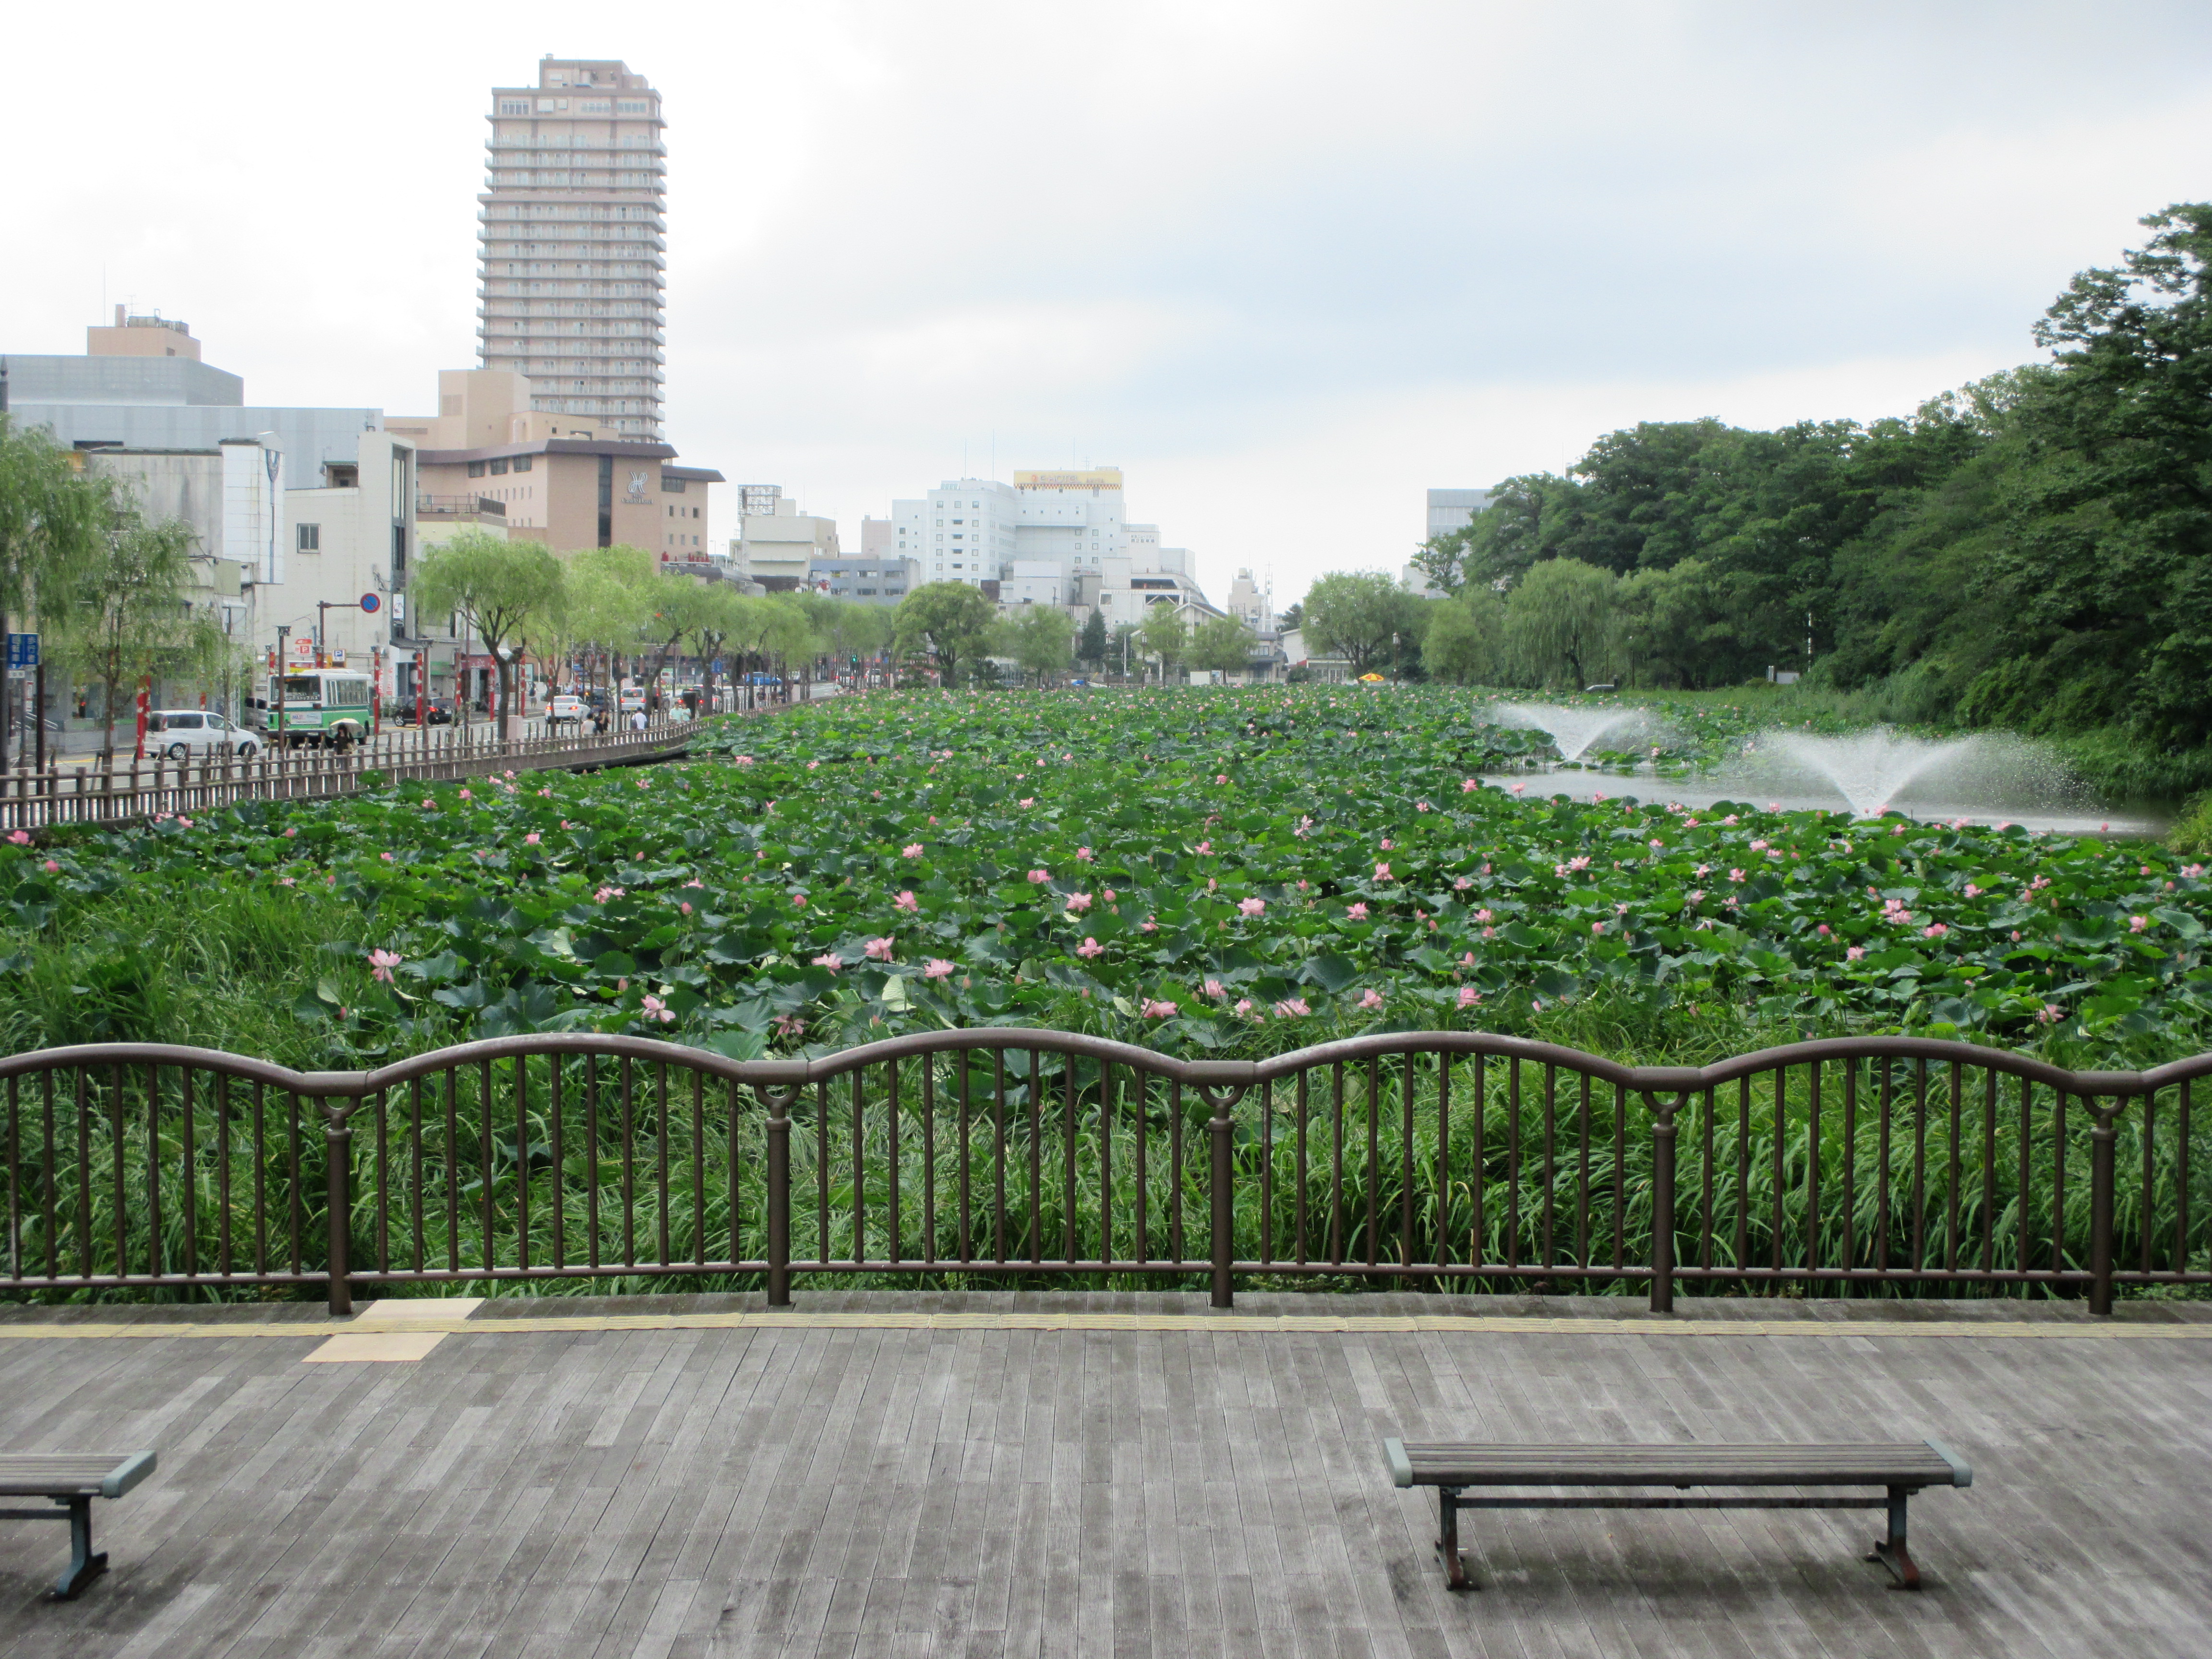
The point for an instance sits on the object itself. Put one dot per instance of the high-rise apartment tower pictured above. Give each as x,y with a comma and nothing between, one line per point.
573,241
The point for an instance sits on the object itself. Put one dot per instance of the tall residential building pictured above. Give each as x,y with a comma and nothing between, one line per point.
573,243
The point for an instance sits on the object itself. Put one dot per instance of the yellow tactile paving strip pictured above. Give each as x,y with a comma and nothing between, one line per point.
396,1323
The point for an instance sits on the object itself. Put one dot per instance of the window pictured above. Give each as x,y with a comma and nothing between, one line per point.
515,106
522,464
475,469
311,538
499,466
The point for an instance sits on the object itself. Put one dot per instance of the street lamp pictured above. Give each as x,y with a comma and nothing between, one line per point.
283,636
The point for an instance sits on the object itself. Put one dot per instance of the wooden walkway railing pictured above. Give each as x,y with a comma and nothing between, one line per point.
35,799
1892,1166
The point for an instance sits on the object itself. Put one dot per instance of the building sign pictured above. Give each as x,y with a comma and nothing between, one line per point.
637,482
1104,477
22,651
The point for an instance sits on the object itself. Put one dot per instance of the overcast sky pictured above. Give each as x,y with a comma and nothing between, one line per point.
1289,264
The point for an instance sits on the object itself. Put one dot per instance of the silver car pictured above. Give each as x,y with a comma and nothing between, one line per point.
184,734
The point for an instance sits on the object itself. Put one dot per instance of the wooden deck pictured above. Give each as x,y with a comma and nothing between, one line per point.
1199,1487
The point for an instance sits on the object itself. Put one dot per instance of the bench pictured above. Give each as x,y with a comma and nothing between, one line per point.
72,1479
1902,1470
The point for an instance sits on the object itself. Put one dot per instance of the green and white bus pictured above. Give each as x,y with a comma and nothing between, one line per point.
313,706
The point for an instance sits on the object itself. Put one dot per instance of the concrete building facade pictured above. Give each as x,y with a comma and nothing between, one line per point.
871,579
780,549
572,245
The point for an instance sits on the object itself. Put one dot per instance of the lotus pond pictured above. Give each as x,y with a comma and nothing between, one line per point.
1211,869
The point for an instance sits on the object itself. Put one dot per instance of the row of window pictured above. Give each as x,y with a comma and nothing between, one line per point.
500,464
584,107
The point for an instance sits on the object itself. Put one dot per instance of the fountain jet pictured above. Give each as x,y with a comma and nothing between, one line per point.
1573,730
1870,769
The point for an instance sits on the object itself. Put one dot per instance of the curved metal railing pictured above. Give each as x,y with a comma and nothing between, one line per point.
1875,1165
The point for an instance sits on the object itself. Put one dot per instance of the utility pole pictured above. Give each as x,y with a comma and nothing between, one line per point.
283,634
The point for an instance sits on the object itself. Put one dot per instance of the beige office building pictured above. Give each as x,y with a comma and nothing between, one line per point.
574,248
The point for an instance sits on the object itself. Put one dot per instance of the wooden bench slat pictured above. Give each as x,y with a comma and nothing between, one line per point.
1500,1464
72,1474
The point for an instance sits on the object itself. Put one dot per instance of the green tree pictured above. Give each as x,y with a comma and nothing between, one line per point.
1125,649
1465,642
55,523
1559,622
1221,644
609,592
496,587
1040,638
1365,617
127,612
946,622
1091,645
1162,636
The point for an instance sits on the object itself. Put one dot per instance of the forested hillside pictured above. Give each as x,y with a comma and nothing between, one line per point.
2033,550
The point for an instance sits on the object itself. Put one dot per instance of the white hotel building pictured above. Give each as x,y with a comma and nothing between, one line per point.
1060,538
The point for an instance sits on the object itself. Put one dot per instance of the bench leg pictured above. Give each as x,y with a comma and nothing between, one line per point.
1891,1550
84,1564
1448,1539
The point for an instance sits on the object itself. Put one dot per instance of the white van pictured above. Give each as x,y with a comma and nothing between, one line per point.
184,734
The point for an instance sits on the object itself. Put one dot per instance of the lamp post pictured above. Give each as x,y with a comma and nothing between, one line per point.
501,696
284,638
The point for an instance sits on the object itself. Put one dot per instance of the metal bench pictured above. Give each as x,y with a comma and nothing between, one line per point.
1903,1468
72,1479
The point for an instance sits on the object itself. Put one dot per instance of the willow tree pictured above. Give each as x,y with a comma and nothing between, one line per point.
127,611
497,587
54,522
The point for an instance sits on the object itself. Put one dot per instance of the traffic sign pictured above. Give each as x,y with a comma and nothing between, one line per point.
22,651
370,602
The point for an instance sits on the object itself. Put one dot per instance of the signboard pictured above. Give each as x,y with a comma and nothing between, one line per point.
369,603
302,647
22,651
1104,477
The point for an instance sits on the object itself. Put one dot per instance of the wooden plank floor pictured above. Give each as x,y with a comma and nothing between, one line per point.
886,1491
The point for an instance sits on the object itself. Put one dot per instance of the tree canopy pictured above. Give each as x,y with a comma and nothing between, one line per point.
946,622
1364,616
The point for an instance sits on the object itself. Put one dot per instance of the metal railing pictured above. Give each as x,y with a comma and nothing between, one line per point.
33,799
1865,1165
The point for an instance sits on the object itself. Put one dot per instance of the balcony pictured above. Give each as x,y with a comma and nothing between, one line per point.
452,508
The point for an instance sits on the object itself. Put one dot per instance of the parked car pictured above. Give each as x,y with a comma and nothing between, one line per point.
184,734
566,709
633,699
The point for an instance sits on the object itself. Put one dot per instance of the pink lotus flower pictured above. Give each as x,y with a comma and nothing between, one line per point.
1386,843
1243,1005
282,881
906,901
386,857
1485,916
1253,907
606,893
878,949
1302,885
1221,777
1029,801
1039,877
1110,895
1083,855
1461,883
1972,891
1423,806
1291,1008
685,908
1736,875
465,795
1203,847
799,900
1382,873
829,959
1933,930
1519,788
1468,996
911,850
2137,924
1853,952
1148,925
1159,1010
1596,929
1356,912
1371,997
656,1009
1078,902
1090,947
289,834
380,965
1822,930
813,765
532,839
744,760
428,803
2051,1015
1466,785
1214,989
939,967
22,838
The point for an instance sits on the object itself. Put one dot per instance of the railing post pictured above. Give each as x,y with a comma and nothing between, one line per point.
779,1199
2101,1136
1662,1202
1225,1209
338,1135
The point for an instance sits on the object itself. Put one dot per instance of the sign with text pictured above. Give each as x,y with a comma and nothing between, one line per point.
22,651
